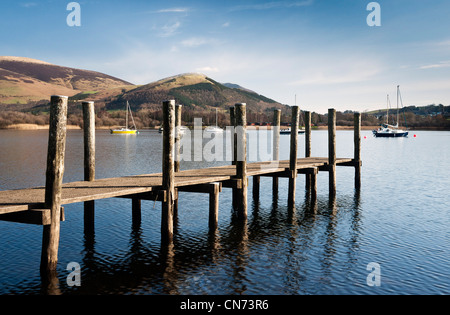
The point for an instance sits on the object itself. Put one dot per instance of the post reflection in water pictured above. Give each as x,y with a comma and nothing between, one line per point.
230,259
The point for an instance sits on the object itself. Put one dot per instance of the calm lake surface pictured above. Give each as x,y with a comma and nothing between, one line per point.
400,220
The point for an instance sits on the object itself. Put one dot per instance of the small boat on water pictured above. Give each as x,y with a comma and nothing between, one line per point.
182,130
391,131
214,129
287,131
125,130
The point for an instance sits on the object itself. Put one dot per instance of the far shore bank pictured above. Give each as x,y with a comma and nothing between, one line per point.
74,127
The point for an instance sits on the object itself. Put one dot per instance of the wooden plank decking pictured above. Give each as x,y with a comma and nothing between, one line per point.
33,198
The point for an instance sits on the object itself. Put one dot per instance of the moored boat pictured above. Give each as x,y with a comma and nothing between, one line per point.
391,131
125,130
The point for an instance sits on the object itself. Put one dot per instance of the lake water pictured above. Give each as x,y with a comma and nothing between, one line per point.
399,220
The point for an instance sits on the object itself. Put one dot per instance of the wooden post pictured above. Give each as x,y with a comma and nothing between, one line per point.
308,146
53,183
168,183
214,207
234,194
136,211
313,188
89,161
332,150
357,136
178,109
233,139
293,156
256,187
276,145
89,141
241,162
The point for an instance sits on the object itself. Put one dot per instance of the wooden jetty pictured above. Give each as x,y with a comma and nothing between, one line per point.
44,205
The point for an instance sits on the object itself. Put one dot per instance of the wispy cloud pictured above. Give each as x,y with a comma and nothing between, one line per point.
169,29
173,10
194,42
28,4
199,41
273,5
442,64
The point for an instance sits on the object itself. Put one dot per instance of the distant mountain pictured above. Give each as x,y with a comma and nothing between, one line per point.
237,86
25,80
193,91
27,84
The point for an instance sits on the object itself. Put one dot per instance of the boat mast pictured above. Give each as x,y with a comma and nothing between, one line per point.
126,117
398,93
132,118
387,110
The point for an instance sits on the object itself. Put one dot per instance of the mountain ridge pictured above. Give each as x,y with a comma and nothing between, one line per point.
27,82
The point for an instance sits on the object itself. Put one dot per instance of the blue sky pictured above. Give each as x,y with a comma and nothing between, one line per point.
323,51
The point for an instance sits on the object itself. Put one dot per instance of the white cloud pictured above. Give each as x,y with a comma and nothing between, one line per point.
194,42
207,69
339,72
169,29
28,4
173,10
200,41
442,64
273,5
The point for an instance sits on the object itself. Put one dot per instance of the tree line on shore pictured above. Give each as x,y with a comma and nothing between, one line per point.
152,118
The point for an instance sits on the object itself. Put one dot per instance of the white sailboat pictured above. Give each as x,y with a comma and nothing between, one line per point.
287,131
391,131
214,129
125,130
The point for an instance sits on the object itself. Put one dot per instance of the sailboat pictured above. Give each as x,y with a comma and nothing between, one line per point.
125,130
391,131
287,131
214,129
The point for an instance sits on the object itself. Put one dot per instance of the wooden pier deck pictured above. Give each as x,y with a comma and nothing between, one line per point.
44,205
13,201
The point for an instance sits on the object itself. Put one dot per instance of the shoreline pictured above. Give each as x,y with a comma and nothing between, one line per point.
74,127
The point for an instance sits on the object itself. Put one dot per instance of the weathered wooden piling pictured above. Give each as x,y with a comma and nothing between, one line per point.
214,206
293,156
233,135
168,177
234,194
241,162
357,146
178,109
332,150
53,183
178,135
308,147
256,187
89,140
276,145
89,161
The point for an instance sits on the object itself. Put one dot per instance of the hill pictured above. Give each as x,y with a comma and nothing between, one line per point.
194,91
24,81
27,84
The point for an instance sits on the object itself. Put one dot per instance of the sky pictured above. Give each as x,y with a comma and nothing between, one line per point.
318,54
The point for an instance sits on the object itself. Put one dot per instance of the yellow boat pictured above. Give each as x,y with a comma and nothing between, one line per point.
125,130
